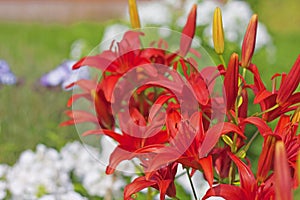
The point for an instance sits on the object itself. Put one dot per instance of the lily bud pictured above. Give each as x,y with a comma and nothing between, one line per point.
218,31
266,158
282,174
231,80
249,41
134,15
188,32
296,116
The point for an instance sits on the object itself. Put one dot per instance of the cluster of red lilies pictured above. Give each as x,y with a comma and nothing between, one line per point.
170,115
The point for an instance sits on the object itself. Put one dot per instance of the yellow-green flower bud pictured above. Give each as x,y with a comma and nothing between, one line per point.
134,15
218,31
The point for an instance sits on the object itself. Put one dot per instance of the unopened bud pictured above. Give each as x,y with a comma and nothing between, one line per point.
249,41
218,31
134,15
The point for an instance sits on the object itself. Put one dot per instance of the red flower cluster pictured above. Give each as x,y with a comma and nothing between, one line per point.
169,114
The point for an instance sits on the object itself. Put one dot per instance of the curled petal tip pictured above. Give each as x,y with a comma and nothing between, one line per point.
134,15
249,41
218,31
289,84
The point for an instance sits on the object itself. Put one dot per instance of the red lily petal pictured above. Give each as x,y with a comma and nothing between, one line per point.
137,185
108,85
97,61
79,116
158,104
188,32
262,126
116,136
117,156
75,97
207,166
213,134
227,192
289,84
248,182
283,179
163,188
266,158
200,89
262,95
258,83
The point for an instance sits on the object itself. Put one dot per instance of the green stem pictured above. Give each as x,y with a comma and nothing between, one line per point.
149,194
231,174
268,110
251,140
222,60
191,182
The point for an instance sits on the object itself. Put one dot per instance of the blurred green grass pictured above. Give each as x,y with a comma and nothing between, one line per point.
29,116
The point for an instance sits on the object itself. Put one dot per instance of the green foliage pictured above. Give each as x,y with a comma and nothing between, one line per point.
30,114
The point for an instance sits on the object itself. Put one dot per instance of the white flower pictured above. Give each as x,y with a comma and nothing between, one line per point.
3,170
3,187
71,195
38,172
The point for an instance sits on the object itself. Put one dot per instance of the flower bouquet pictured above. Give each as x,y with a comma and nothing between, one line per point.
169,109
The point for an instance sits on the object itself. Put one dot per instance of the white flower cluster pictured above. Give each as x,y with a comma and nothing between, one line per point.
46,175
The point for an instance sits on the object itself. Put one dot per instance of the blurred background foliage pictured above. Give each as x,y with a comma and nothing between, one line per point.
30,114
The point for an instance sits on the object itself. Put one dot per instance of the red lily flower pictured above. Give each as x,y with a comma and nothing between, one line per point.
281,101
162,180
192,144
136,140
285,131
249,188
289,84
